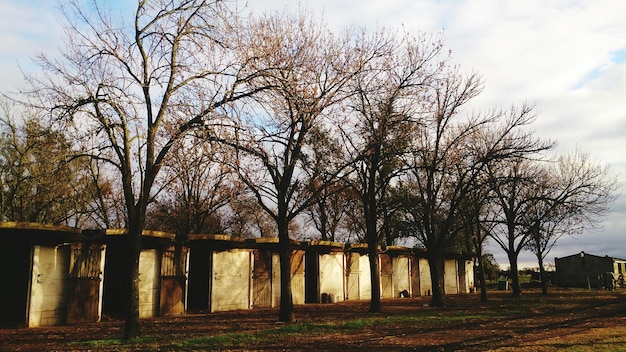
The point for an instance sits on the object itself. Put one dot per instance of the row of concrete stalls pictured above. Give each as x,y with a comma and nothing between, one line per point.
335,273
458,274
57,275
229,273
62,275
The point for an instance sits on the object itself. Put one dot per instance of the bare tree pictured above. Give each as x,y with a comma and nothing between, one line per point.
197,186
308,70
477,226
575,194
328,212
516,190
106,210
387,108
329,208
131,90
452,153
245,218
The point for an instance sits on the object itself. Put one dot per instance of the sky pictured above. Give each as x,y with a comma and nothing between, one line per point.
567,57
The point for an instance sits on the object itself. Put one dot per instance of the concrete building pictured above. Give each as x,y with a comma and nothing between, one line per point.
325,270
266,273
220,270
63,275
162,274
358,283
54,273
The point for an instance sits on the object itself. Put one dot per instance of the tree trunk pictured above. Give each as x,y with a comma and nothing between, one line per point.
542,276
285,314
436,279
133,250
515,283
372,245
375,306
481,277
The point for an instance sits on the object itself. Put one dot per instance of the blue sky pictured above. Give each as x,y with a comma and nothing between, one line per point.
566,56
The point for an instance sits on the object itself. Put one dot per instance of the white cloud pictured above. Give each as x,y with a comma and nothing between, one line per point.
26,28
567,56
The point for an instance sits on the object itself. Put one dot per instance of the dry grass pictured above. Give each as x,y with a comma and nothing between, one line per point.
570,320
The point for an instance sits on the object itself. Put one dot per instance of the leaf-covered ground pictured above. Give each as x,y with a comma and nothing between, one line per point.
576,320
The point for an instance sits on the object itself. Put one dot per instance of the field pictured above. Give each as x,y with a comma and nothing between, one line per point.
566,319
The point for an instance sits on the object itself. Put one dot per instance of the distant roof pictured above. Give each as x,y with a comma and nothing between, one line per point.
583,254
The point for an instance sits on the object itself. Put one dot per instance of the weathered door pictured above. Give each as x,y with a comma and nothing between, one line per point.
262,279
386,276
401,275
232,272
149,274
415,278
425,280
297,277
173,281
49,282
352,275
85,286
450,277
365,278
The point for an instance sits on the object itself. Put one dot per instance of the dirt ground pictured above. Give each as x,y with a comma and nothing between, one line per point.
577,311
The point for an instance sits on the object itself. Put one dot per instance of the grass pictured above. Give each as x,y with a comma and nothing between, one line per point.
237,340
349,327
504,310
597,339
116,342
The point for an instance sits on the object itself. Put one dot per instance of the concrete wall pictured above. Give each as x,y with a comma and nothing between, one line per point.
229,284
331,275
401,275
426,285
48,294
450,277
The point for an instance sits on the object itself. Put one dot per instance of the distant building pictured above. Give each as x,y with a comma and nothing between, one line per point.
586,270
